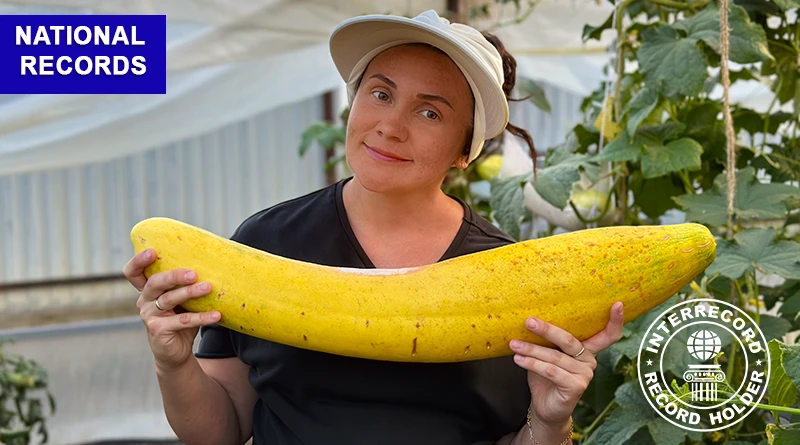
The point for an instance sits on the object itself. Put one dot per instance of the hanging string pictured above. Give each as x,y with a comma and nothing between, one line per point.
730,136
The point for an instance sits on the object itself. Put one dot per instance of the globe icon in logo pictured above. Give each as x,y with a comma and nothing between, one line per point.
704,344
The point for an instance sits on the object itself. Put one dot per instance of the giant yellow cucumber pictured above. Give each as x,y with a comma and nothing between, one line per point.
465,308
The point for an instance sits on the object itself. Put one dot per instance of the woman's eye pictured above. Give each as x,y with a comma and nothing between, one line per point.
431,115
380,95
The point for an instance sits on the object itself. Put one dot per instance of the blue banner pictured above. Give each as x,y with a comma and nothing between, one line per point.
83,54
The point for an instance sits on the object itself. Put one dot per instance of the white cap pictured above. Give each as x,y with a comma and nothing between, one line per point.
356,41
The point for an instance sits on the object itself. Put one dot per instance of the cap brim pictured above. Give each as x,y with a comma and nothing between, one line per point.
356,37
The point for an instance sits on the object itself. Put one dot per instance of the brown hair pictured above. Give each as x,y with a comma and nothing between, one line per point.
510,79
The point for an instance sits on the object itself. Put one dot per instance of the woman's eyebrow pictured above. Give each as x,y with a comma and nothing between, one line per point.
423,96
436,98
385,79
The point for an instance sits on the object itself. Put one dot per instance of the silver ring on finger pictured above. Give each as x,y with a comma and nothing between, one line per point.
158,306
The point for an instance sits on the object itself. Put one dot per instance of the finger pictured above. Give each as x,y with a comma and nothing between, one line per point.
570,384
171,299
159,326
134,268
612,332
559,337
550,355
164,281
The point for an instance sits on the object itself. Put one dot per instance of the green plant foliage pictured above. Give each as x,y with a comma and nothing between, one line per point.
757,249
23,394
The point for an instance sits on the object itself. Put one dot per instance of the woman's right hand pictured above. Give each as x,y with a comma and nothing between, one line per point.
170,329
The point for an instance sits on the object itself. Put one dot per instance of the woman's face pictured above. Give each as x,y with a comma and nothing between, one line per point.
409,120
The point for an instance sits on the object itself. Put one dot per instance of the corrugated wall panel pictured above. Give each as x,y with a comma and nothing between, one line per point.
75,222
548,129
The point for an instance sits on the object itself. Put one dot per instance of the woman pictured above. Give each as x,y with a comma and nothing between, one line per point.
424,95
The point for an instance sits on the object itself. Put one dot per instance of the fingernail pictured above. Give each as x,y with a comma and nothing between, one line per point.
533,323
190,275
215,316
619,311
204,287
515,344
147,254
518,358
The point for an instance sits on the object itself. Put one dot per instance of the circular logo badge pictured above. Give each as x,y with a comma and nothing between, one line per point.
685,341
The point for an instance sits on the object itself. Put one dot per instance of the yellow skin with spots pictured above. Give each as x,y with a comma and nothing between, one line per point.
464,308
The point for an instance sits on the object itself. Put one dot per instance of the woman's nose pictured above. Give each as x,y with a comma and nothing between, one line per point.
393,125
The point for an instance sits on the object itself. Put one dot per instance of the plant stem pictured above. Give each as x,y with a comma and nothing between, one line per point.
623,189
752,284
620,60
677,5
751,434
736,294
623,193
769,111
687,184
599,418
764,406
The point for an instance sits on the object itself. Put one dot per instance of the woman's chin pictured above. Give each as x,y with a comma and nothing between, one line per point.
378,183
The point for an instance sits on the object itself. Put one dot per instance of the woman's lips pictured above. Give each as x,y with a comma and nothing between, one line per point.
383,156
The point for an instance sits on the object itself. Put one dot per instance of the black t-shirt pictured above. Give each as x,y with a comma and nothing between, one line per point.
310,398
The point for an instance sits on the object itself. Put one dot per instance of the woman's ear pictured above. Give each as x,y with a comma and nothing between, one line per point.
462,163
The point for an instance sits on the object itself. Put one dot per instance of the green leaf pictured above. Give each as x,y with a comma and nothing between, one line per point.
531,90
763,7
796,100
507,203
784,160
756,249
786,69
620,426
774,328
791,362
660,133
752,200
654,196
754,122
554,182
595,32
786,5
623,148
743,74
701,118
640,107
659,159
783,436
671,61
326,135
665,433
586,136
634,413
791,305
782,392
748,41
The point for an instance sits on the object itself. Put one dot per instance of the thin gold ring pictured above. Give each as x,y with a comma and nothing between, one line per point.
162,309
576,355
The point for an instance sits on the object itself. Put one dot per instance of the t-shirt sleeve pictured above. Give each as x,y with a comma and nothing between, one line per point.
215,342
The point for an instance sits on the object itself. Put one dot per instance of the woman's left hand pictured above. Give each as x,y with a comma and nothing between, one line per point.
557,379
